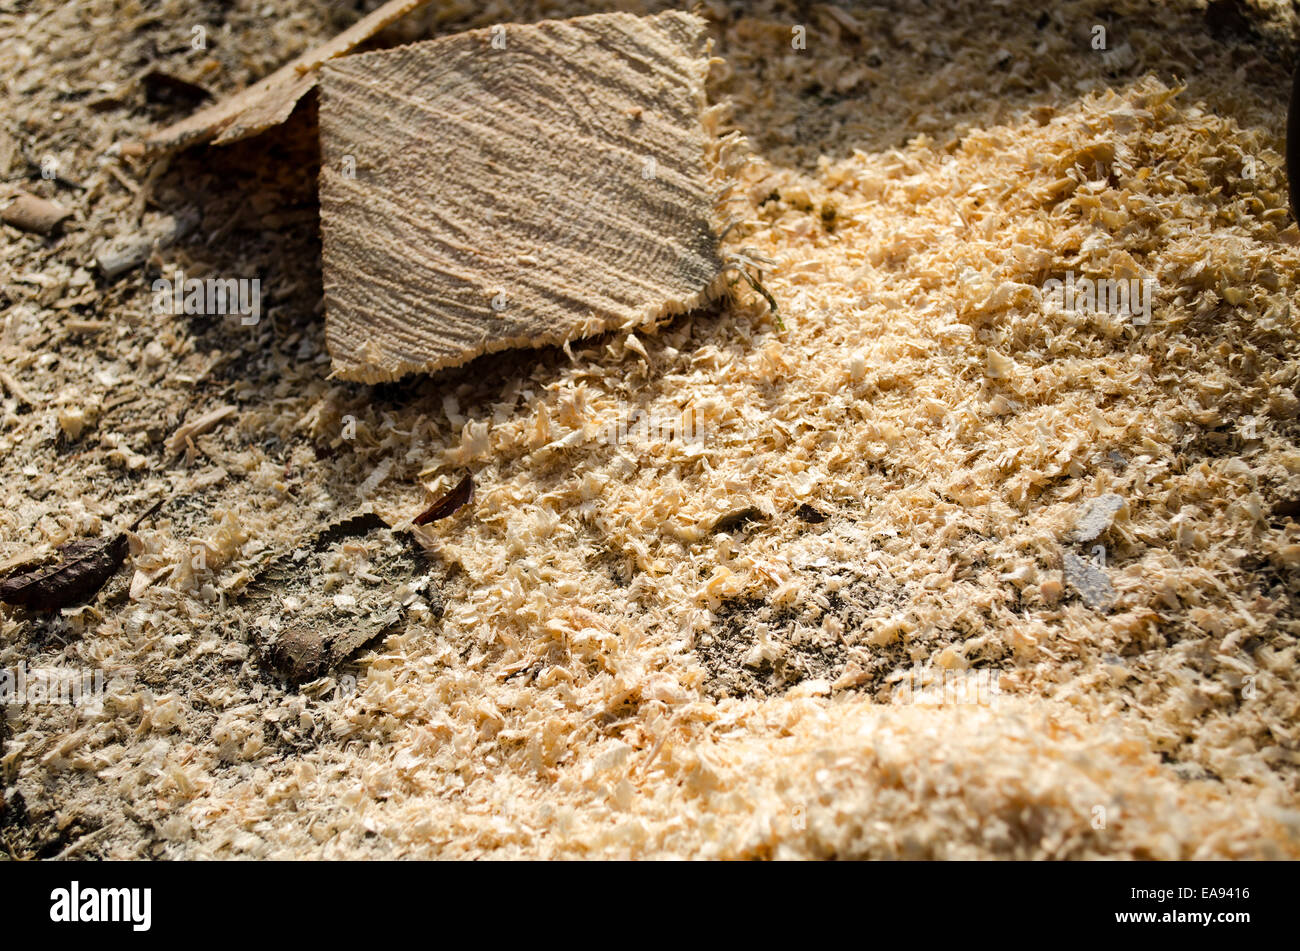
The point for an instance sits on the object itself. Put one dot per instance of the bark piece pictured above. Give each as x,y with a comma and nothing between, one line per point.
29,213
271,101
514,186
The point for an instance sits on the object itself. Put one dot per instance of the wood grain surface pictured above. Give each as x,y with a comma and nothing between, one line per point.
520,185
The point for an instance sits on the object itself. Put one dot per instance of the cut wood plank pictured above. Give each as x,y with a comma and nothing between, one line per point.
514,186
271,101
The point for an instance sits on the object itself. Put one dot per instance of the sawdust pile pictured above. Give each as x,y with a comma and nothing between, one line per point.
731,634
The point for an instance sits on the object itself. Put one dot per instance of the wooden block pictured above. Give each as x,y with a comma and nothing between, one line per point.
514,186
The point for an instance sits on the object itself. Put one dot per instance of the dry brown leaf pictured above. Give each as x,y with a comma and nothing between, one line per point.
447,503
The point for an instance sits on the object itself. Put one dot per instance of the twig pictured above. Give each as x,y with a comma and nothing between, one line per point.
84,840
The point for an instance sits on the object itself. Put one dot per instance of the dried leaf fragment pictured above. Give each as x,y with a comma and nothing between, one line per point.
478,196
313,625
84,568
448,502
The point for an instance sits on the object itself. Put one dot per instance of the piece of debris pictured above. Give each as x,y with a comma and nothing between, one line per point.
271,101
123,253
37,215
487,190
757,650
323,600
1097,517
206,423
448,502
1090,581
806,513
84,568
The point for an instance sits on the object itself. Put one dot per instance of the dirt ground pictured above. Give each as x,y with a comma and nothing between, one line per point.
836,624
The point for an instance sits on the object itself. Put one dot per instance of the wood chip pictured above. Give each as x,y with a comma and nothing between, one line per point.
205,423
271,101
29,213
514,186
